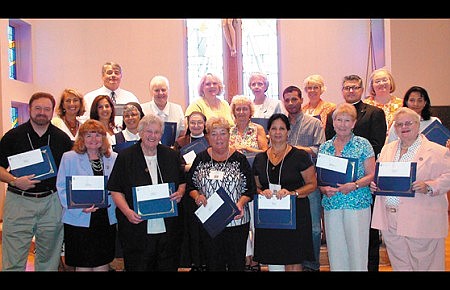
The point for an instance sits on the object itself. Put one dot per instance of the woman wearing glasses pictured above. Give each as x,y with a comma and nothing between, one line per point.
414,228
381,87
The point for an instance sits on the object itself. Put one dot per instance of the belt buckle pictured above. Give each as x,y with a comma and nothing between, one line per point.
392,209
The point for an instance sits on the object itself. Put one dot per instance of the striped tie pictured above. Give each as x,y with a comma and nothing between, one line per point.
113,97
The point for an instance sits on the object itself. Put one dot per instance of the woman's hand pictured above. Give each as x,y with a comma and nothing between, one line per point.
373,186
201,200
282,193
329,191
90,209
133,217
267,193
346,187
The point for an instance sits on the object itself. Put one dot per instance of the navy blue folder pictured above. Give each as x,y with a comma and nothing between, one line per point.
156,208
437,132
42,170
393,185
170,132
332,178
263,122
119,147
217,222
197,145
275,218
86,198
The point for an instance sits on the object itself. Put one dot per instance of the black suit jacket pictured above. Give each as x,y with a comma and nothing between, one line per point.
370,124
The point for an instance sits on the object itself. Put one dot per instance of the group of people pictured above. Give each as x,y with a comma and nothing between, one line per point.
243,158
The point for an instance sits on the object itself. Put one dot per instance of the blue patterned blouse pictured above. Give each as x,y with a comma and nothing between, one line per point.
360,148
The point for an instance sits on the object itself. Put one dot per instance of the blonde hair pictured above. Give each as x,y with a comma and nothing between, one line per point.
217,122
242,100
315,79
377,72
345,108
201,85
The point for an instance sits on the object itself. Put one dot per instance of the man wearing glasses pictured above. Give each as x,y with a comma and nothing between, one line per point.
370,124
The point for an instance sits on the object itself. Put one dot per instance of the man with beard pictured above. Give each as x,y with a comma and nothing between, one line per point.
32,206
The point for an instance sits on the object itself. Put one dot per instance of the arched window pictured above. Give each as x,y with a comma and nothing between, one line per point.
232,49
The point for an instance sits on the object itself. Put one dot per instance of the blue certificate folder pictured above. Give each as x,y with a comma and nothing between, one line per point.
87,197
197,146
437,132
332,178
170,132
42,170
217,222
395,185
263,122
156,208
119,147
275,218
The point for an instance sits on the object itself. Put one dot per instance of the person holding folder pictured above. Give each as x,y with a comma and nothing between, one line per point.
347,206
414,228
216,168
89,232
284,170
32,208
151,244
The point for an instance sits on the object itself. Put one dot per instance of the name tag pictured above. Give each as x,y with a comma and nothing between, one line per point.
216,175
274,188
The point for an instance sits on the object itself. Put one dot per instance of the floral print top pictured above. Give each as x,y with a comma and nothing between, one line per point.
389,108
248,139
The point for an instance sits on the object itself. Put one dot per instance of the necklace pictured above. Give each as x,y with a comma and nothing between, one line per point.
72,126
97,165
277,154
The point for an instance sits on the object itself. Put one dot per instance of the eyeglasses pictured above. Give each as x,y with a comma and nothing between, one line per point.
347,88
407,124
381,81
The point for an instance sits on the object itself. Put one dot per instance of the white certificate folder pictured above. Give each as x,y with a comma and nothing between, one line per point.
395,178
85,191
39,162
218,213
153,201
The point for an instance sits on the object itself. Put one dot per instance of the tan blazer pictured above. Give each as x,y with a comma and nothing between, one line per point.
421,216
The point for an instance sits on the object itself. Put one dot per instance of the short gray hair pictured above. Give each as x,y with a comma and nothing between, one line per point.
150,119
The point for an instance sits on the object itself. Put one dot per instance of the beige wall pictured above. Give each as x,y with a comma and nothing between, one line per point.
70,53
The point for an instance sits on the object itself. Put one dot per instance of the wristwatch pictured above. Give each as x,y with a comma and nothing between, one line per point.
429,190
357,185
296,193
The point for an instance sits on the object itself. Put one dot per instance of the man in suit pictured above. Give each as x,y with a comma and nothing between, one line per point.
370,124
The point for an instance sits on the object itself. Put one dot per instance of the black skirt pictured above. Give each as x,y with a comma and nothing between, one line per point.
93,246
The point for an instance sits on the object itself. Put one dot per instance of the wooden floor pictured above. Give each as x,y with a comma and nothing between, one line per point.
384,259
